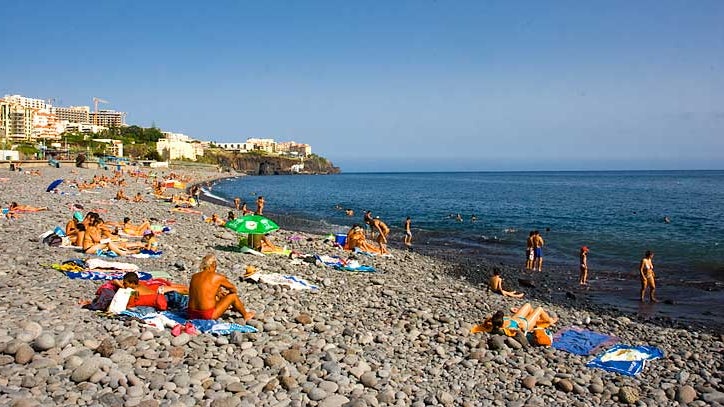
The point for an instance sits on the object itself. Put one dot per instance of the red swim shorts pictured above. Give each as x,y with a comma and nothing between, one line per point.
196,314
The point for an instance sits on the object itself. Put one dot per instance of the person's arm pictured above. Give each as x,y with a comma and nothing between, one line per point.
231,288
641,268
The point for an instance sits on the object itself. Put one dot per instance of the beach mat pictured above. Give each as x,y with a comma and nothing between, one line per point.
163,319
581,341
293,282
625,359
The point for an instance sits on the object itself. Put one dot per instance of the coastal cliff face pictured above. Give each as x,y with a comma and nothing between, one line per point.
272,165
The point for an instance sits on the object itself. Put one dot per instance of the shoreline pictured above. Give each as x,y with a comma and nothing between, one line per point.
611,290
400,336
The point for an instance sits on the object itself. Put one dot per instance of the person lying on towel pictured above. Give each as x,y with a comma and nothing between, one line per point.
524,320
211,294
152,293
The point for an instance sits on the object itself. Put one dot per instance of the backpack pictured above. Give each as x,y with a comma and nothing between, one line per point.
53,240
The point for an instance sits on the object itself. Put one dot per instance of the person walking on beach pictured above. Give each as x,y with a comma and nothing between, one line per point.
646,270
259,205
408,233
538,251
237,203
529,246
204,288
583,278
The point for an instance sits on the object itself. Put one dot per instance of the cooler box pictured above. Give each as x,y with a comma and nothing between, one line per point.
340,239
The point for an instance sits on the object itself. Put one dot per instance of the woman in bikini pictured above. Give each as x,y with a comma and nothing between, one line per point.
646,269
93,240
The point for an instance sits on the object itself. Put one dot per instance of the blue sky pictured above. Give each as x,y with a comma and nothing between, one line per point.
396,86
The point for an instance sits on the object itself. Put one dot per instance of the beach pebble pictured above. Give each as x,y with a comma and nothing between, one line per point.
24,354
628,395
85,370
564,385
181,340
685,394
529,382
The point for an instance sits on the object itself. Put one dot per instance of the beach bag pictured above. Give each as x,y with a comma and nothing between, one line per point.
120,300
541,337
53,240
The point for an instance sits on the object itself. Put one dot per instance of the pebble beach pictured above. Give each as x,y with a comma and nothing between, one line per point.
396,337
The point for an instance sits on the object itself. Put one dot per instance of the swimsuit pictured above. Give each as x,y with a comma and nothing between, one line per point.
200,314
538,252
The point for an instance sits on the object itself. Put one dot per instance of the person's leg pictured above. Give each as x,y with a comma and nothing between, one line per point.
231,300
643,288
652,291
523,311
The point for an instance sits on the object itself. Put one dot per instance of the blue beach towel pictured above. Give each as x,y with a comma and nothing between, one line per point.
346,265
104,275
625,359
216,327
581,341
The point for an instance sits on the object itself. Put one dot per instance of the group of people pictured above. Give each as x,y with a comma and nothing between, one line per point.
534,251
93,235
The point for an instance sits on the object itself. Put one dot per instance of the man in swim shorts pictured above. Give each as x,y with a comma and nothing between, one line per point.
211,294
538,251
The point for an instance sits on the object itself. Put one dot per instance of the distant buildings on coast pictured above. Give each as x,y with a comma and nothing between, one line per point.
26,120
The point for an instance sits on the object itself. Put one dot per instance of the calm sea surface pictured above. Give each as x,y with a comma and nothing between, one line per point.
618,215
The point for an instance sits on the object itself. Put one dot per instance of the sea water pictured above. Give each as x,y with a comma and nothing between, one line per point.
619,215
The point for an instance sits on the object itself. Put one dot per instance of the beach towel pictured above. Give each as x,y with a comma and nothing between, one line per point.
581,341
625,359
146,254
112,265
99,275
293,282
341,264
171,318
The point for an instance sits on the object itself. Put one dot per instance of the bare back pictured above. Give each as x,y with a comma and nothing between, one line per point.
203,288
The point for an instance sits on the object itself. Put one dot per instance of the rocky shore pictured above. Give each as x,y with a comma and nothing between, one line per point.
397,337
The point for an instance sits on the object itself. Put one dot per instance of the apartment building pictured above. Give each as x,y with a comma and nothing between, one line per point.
73,114
239,147
27,102
263,144
45,125
176,146
108,118
294,149
16,121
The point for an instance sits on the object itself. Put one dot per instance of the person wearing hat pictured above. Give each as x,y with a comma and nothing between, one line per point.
149,240
73,227
583,279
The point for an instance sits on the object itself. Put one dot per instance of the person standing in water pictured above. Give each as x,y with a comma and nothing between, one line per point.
408,233
646,270
259,206
583,278
538,243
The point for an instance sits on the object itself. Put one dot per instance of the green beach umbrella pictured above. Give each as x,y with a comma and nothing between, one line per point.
252,224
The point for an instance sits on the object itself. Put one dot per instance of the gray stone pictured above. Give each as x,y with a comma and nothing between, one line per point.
316,394
44,342
181,340
110,399
497,342
369,379
333,400
84,372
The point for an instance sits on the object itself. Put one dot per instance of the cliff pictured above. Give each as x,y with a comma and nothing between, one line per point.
254,164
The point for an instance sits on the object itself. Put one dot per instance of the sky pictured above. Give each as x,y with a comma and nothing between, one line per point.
395,85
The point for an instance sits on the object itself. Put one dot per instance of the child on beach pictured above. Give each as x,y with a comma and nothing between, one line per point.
583,279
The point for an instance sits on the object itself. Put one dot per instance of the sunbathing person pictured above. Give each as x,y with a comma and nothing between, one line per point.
496,285
135,230
157,293
93,241
211,294
72,228
121,196
524,320
356,240
15,208
149,240
138,198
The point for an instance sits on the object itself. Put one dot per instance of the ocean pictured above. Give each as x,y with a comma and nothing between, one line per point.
618,215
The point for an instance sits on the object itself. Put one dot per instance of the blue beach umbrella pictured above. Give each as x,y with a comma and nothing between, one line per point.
54,185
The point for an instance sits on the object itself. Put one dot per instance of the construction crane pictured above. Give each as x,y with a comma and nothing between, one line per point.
95,109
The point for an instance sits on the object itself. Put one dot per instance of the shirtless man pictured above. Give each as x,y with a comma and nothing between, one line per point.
382,232
583,278
121,196
259,206
496,285
211,294
538,251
